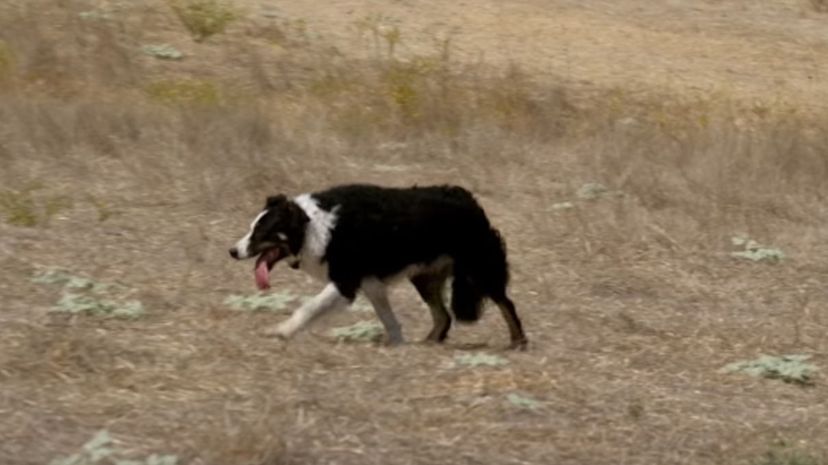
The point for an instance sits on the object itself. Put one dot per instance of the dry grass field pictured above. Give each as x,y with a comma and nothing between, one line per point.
620,146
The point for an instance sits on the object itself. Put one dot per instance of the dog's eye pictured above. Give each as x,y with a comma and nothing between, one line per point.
281,236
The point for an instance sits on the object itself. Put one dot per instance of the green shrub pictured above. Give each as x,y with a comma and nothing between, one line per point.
22,209
203,18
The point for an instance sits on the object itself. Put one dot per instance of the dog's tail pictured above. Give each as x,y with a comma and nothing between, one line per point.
482,271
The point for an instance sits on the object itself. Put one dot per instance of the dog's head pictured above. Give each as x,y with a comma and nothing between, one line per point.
277,232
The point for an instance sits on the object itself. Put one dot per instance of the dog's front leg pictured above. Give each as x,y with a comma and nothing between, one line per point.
329,299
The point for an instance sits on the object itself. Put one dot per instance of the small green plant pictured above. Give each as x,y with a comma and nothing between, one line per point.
592,190
84,304
273,302
563,206
755,251
184,92
788,368
69,281
83,295
163,52
523,402
203,18
480,359
361,331
101,449
95,15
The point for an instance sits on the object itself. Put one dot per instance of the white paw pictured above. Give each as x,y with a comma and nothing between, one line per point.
283,330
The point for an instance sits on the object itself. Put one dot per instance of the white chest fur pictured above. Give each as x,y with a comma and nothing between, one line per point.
317,236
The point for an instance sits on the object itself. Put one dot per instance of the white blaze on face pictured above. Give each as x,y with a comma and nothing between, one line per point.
244,243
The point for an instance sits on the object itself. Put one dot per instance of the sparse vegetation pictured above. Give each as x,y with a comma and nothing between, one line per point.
104,210
22,209
72,303
69,281
163,52
754,251
784,455
480,359
591,191
382,30
101,449
19,208
361,331
522,401
204,18
94,15
788,368
271,302
86,296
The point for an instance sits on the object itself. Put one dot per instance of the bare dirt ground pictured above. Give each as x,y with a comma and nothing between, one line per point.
133,170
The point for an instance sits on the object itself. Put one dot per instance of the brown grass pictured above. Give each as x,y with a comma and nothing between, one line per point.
631,300
819,5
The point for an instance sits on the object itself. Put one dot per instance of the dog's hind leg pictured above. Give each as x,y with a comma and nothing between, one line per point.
430,287
377,294
329,299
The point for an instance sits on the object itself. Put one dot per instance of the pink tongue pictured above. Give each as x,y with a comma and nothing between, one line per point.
262,275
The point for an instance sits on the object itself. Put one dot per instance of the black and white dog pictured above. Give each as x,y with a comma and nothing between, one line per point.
363,238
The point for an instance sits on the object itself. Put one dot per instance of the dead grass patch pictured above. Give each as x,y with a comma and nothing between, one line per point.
819,5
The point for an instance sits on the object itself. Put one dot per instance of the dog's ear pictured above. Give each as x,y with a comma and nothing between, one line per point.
275,200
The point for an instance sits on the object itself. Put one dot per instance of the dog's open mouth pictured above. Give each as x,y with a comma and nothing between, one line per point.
264,264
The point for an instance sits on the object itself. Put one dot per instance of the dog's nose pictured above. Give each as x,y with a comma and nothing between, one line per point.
234,252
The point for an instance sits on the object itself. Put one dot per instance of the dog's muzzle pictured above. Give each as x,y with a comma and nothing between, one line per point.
234,252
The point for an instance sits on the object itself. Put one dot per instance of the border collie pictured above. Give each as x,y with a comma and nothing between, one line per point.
362,237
